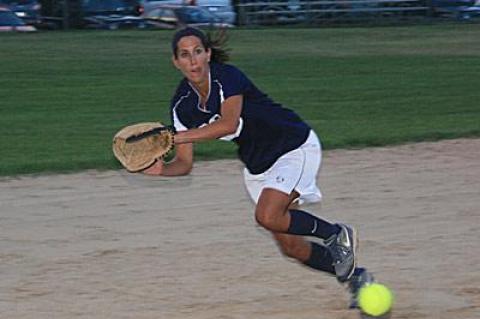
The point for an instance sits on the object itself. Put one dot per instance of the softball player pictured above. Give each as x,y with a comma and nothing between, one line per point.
281,153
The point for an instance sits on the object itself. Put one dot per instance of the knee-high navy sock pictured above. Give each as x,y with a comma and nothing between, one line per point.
320,259
305,224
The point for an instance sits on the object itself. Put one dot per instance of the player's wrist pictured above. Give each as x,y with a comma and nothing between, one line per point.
172,129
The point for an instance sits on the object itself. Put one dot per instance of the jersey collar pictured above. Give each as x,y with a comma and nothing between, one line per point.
199,97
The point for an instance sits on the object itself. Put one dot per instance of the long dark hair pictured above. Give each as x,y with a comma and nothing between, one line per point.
213,42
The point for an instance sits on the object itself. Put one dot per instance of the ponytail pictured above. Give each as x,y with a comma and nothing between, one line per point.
217,45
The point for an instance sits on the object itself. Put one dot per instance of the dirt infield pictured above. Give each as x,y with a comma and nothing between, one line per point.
117,245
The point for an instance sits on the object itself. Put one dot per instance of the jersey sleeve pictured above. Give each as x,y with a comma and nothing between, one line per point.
175,117
234,82
177,123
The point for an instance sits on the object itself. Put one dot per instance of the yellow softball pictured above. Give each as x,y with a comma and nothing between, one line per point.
375,299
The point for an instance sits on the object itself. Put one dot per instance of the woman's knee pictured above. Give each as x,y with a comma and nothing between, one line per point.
268,219
271,210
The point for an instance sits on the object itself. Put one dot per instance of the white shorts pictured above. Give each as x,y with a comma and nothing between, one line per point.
296,170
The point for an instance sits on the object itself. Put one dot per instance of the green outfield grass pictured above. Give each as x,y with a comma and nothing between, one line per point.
63,95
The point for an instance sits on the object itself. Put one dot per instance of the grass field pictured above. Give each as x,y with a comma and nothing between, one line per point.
63,95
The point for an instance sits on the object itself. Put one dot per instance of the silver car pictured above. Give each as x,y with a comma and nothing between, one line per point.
221,8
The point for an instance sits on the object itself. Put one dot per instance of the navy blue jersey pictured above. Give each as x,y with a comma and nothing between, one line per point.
266,130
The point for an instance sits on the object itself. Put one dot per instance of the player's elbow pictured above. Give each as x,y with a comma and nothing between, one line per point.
177,167
230,127
185,167
186,170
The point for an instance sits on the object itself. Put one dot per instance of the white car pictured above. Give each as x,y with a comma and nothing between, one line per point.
170,16
223,9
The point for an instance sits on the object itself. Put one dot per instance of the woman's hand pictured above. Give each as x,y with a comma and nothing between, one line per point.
155,169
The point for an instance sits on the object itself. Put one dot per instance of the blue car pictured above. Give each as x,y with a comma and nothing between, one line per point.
27,10
9,22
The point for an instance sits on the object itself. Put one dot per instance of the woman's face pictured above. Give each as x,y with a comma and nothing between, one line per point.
192,59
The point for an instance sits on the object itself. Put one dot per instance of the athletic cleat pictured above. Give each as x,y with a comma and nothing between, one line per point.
360,278
342,246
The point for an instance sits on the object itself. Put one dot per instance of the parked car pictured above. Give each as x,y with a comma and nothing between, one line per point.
27,10
110,7
223,9
113,14
459,9
9,21
174,16
114,22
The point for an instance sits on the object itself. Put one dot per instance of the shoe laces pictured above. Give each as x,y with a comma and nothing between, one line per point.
339,245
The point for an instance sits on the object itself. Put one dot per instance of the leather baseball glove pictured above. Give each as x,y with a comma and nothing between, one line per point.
138,146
